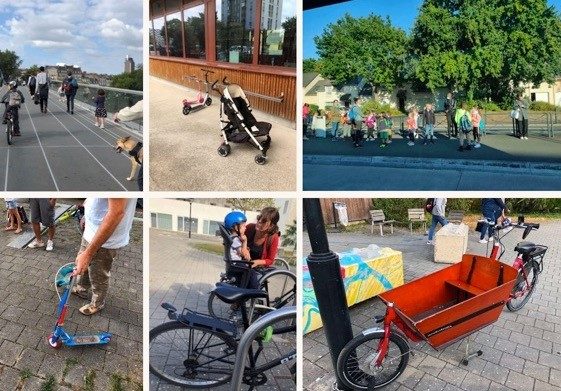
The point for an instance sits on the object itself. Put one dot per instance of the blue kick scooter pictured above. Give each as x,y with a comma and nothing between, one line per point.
65,279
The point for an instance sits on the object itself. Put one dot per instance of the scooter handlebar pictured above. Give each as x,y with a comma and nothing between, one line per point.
64,274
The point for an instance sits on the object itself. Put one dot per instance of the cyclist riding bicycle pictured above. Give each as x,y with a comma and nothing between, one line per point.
13,100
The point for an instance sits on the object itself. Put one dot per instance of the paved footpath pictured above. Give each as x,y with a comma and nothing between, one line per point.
60,151
182,275
521,350
28,313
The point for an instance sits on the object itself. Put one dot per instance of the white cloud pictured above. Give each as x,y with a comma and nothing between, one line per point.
50,44
116,30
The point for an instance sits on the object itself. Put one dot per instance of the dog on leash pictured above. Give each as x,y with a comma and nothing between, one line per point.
134,149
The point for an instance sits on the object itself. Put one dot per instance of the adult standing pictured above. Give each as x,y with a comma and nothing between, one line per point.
522,105
355,115
31,84
70,86
263,240
43,89
430,120
335,114
42,212
305,119
463,122
450,110
438,213
108,222
492,209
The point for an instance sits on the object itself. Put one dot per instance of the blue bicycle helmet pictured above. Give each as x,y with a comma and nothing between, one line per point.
234,218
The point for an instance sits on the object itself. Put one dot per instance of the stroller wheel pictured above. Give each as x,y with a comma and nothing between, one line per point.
208,101
260,159
224,150
186,110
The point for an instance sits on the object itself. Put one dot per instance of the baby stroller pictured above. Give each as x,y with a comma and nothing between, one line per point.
240,125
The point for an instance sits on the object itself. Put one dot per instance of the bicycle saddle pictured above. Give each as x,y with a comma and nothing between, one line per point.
233,294
525,248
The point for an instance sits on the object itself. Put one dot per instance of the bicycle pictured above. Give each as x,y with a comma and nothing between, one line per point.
197,351
75,212
528,261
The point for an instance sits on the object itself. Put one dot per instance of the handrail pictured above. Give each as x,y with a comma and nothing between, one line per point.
123,90
225,83
248,337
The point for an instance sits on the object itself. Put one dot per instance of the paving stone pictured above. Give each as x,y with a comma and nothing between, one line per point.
536,371
519,381
495,372
475,382
453,374
9,352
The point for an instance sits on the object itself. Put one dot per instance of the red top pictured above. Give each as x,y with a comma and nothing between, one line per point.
270,245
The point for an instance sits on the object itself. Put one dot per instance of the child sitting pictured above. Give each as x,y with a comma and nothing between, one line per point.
235,222
410,124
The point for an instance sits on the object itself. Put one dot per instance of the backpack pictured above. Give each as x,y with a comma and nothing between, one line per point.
23,215
344,120
465,123
370,121
429,205
32,81
66,87
15,99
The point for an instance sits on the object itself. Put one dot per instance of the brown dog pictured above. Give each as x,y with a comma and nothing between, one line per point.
134,149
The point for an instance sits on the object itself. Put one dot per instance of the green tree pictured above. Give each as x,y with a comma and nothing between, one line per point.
485,47
289,237
368,47
310,65
129,81
31,71
9,64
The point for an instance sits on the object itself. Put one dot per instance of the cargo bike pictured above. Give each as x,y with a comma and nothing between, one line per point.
441,308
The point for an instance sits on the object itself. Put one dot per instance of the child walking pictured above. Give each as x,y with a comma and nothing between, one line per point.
410,123
384,131
100,111
476,120
371,126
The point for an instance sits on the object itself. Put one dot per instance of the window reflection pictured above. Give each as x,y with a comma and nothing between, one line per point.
234,30
278,33
195,31
175,39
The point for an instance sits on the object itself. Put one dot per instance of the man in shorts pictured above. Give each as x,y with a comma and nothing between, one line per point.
108,222
42,212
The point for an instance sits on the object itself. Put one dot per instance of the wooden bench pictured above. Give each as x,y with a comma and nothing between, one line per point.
378,217
416,216
456,216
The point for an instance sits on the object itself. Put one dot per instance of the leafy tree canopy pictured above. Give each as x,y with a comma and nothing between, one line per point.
129,81
9,64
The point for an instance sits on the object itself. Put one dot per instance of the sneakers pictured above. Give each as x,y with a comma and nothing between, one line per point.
477,145
36,244
49,245
382,145
430,243
97,125
410,143
525,138
483,241
101,127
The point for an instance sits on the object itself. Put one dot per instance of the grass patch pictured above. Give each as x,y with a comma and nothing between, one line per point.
116,383
49,384
25,374
89,380
68,365
213,248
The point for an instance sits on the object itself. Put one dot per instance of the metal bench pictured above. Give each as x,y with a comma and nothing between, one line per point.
379,218
416,216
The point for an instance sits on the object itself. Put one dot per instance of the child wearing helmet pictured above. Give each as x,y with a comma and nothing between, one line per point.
235,223
13,100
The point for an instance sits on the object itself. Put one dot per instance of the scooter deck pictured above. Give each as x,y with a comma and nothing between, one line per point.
78,340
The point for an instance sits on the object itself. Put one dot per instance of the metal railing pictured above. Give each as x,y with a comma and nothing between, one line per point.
115,99
250,334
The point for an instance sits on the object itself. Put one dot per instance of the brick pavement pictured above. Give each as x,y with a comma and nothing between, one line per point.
28,313
521,351
183,276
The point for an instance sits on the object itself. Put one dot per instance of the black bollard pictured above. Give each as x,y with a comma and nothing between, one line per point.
325,272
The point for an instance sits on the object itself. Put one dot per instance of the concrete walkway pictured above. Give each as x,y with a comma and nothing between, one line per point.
521,350
183,149
63,152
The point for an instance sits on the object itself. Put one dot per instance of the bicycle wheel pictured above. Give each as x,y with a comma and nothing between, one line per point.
281,264
281,288
191,356
356,363
521,291
9,132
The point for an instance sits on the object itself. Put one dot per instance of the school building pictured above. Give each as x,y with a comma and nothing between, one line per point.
251,42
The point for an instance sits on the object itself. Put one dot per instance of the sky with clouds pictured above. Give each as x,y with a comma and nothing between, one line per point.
96,35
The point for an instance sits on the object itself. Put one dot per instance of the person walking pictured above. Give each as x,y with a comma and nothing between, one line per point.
438,213
522,105
43,89
335,115
31,85
476,121
463,121
70,86
108,222
42,212
429,120
450,110
305,119
492,209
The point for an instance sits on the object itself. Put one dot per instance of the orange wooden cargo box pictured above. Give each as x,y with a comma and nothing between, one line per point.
454,302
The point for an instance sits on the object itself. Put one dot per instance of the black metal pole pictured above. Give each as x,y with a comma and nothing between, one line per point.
325,272
190,220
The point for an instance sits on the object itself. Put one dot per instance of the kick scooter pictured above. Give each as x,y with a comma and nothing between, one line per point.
201,101
65,279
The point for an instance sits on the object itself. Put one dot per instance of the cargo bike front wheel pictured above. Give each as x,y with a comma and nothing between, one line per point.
357,365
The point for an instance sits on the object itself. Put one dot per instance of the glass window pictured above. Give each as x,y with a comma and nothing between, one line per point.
159,33
175,38
278,33
154,220
195,31
234,31
210,227
164,221
183,224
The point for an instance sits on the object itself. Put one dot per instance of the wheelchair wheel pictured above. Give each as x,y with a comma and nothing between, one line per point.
281,264
224,150
186,110
281,288
260,159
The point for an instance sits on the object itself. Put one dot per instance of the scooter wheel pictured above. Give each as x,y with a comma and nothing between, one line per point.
186,110
54,344
208,101
260,159
224,150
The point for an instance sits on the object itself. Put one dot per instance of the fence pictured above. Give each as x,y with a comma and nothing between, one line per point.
115,99
357,208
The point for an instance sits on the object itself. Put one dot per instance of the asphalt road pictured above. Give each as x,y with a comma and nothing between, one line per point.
63,152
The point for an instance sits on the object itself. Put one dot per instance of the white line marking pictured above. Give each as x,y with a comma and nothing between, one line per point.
91,154
7,166
42,149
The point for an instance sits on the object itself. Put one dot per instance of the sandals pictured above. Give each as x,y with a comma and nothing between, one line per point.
90,309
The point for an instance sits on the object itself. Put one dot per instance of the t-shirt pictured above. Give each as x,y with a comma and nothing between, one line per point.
235,249
95,210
